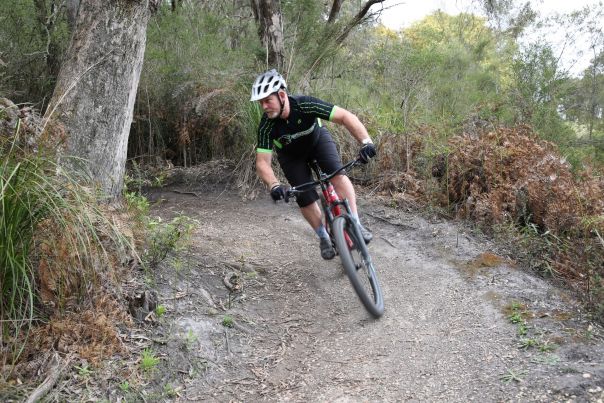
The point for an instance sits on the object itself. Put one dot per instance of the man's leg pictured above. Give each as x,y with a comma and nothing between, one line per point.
312,214
345,190
297,172
326,153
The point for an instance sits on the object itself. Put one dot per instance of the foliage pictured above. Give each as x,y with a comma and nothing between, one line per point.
517,186
513,375
536,89
489,176
18,219
489,180
148,361
156,238
438,71
564,94
137,204
33,37
165,238
192,100
228,321
509,16
191,88
160,310
582,103
57,243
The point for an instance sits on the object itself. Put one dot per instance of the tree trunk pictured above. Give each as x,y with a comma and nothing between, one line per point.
357,19
94,96
47,15
335,10
72,13
270,29
175,4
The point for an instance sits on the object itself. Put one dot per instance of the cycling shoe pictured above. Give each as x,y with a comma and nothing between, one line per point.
327,251
367,236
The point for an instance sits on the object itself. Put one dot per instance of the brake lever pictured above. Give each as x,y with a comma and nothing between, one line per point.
288,194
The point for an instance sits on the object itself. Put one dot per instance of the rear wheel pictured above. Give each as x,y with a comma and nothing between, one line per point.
358,265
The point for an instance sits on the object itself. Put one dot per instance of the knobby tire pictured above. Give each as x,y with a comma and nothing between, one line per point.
358,265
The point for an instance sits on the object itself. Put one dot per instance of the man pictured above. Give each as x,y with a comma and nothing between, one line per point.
292,126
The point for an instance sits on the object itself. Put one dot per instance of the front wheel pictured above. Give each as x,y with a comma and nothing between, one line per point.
358,265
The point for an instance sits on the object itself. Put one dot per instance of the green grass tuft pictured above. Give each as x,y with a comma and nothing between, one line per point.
48,218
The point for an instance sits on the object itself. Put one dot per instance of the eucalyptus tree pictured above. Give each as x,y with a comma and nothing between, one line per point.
315,28
466,64
94,96
594,77
589,92
33,38
510,18
267,14
318,30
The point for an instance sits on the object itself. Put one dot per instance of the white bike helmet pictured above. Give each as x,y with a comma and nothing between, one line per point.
266,84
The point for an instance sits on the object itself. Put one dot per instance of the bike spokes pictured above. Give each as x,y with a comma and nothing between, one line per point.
358,264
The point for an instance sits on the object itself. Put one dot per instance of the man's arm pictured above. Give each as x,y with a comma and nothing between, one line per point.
350,121
265,170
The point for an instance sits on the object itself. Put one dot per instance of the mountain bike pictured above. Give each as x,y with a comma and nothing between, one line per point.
346,238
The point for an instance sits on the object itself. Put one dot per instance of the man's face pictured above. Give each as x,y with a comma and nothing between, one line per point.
271,106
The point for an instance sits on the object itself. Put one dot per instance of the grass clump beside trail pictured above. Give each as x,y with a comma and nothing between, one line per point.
60,252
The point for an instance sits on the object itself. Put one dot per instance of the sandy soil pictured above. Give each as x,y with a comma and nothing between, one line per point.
299,333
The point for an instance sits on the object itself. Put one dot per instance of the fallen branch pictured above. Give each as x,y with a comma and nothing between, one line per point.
404,226
50,381
388,241
185,192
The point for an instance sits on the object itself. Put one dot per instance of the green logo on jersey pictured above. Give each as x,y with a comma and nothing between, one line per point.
299,121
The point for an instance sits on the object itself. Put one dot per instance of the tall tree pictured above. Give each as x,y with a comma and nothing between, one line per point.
335,10
72,12
335,33
270,29
47,15
362,15
94,96
509,17
583,103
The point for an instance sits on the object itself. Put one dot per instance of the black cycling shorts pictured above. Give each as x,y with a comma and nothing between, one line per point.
297,171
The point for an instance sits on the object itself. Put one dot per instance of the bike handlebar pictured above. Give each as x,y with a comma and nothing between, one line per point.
293,191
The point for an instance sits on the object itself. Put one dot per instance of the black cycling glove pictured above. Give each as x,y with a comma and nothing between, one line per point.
367,152
278,192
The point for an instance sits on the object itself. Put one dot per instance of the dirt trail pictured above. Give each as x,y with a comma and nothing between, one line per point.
300,334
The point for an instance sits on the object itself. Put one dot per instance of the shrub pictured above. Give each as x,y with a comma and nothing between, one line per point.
510,176
56,241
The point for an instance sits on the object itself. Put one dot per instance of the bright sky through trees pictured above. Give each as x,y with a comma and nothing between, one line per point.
401,14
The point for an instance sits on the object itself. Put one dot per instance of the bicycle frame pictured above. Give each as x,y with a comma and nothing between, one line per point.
333,204
346,236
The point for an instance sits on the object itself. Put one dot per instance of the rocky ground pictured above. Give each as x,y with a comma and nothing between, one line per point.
253,313
250,312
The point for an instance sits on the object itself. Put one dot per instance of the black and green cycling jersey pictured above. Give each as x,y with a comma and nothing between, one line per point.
298,132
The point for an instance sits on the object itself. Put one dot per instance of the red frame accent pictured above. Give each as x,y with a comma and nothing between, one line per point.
331,197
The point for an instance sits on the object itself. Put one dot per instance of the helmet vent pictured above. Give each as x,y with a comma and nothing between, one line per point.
266,84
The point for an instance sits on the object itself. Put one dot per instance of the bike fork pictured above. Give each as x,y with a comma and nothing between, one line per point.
358,241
